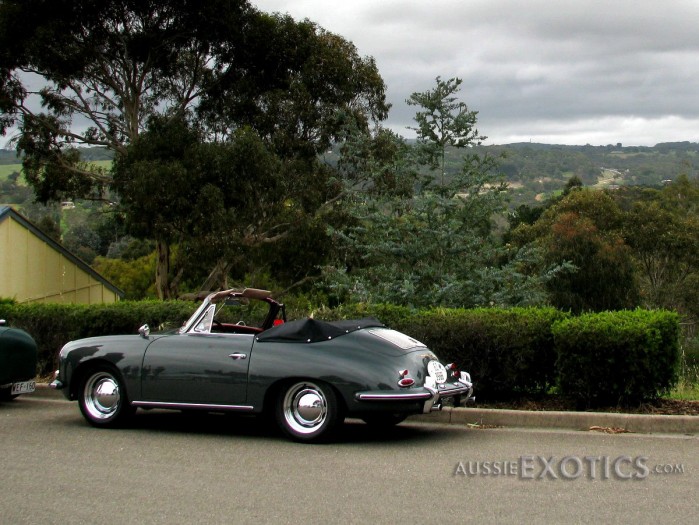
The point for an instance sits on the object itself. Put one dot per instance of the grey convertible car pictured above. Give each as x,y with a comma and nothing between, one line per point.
308,374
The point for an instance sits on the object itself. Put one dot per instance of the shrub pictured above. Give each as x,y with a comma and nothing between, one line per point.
397,317
617,357
508,352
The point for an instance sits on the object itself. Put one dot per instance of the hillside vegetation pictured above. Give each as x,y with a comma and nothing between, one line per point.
536,171
533,171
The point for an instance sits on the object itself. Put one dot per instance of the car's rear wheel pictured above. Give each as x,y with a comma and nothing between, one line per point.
307,411
103,399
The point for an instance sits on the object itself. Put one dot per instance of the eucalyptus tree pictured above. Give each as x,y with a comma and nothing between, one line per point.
662,229
107,68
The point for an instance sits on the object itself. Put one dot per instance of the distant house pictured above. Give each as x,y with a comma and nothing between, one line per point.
35,268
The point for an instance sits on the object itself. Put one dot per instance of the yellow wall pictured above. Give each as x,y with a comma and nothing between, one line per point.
33,271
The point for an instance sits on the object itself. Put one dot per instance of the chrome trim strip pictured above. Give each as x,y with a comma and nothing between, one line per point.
393,397
431,395
164,404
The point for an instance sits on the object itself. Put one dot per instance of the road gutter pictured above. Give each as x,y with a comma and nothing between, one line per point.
637,423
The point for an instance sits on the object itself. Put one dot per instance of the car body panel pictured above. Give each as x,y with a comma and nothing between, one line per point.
18,359
352,363
196,368
124,352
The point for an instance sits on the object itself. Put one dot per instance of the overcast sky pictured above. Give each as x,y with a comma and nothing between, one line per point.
555,71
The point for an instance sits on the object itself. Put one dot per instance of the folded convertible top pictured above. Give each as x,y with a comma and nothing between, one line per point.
314,331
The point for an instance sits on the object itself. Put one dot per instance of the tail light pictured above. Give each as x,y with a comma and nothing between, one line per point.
405,380
453,371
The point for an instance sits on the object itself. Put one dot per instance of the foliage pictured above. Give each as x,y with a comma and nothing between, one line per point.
443,121
100,64
244,196
134,276
416,239
620,357
397,317
222,74
536,172
583,230
508,352
662,229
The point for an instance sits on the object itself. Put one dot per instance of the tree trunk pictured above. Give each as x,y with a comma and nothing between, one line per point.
162,270
218,278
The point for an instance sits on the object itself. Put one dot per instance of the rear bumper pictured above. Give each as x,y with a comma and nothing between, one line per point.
16,388
429,396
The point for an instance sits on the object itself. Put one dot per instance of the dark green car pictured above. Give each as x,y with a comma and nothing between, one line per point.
308,374
18,355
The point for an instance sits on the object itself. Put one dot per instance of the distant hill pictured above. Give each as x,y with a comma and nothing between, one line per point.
535,171
9,156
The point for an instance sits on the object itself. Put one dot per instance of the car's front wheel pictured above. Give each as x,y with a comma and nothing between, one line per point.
308,411
103,400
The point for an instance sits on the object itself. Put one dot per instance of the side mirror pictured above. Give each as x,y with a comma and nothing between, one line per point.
144,331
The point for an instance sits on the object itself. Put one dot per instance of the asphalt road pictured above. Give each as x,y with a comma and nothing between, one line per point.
172,468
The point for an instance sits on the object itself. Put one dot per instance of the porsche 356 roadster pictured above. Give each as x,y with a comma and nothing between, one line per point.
308,374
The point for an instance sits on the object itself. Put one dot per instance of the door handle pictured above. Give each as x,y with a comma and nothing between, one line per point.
238,355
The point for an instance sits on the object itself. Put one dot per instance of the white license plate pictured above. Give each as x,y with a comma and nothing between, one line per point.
23,387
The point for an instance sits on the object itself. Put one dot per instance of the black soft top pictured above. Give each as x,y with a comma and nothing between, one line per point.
314,331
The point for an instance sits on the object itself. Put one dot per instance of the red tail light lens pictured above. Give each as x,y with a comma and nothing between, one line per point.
406,382
453,370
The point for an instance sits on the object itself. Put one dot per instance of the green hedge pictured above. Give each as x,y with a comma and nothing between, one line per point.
617,357
607,358
508,352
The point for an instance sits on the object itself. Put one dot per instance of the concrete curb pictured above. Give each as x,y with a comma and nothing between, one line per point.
638,423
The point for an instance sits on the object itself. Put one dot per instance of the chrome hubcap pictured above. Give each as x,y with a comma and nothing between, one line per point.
102,396
305,407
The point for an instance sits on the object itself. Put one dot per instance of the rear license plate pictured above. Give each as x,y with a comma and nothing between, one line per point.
24,387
